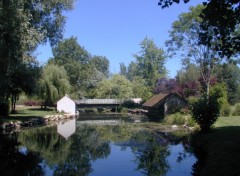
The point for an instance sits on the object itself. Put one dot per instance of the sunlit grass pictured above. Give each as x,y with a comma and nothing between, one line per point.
24,113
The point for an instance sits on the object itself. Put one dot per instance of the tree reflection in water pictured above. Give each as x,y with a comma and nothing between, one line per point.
14,162
75,156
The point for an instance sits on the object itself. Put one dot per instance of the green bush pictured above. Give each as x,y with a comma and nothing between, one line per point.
225,110
130,104
190,122
236,111
122,109
175,119
206,111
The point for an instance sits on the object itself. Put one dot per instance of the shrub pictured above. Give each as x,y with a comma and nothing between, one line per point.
130,104
124,110
176,118
236,111
225,109
190,122
206,111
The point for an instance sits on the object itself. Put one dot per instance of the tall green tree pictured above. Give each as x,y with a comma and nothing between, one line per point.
123,69
150,62
230,75
24,79
75,59
132,70
53,83
23,25
223,27
184,41
101,63
140,89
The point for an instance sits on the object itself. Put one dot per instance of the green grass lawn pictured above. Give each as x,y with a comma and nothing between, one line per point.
219,150
24,113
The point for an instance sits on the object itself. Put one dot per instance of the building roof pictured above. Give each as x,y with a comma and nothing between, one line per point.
159,99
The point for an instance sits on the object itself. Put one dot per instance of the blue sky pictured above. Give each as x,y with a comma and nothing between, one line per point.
115,28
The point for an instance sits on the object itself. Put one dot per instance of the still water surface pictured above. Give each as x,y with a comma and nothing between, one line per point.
107,148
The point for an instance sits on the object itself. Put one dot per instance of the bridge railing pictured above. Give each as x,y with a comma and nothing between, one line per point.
100,101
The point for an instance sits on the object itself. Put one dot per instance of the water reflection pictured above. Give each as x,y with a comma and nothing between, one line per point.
67,128
90,149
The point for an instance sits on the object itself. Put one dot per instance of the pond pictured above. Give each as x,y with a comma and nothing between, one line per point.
97,148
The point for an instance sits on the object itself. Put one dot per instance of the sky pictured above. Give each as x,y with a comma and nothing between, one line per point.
116,28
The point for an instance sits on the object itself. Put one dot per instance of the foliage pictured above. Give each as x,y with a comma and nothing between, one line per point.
24,25
187,80
230,74
73,57
101,63
206,111
175,119
116,87
220,91
150,62
132,70
225,109
236,111
222,27
164,85
84,71
123,70
184,41
53,83
140,89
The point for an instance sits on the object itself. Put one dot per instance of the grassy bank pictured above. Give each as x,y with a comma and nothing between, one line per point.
24,113
218,152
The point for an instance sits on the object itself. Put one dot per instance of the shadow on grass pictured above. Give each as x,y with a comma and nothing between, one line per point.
218,152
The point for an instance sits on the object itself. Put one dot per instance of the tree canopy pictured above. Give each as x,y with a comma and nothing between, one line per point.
53,83
221,20
23,25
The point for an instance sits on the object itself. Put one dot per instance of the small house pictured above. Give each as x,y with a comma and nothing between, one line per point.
67,105
162,104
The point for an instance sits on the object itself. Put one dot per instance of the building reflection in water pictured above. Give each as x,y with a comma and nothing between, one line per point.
66,128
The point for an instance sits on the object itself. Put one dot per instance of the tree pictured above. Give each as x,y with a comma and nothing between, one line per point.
101,63
84,71
116,87
187,80
150,62
53,83
164,85
123,69
224,27
184,41
23,25
132,70
24,79
230,75
140,89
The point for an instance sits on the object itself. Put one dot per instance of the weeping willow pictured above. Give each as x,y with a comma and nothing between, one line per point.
53,83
